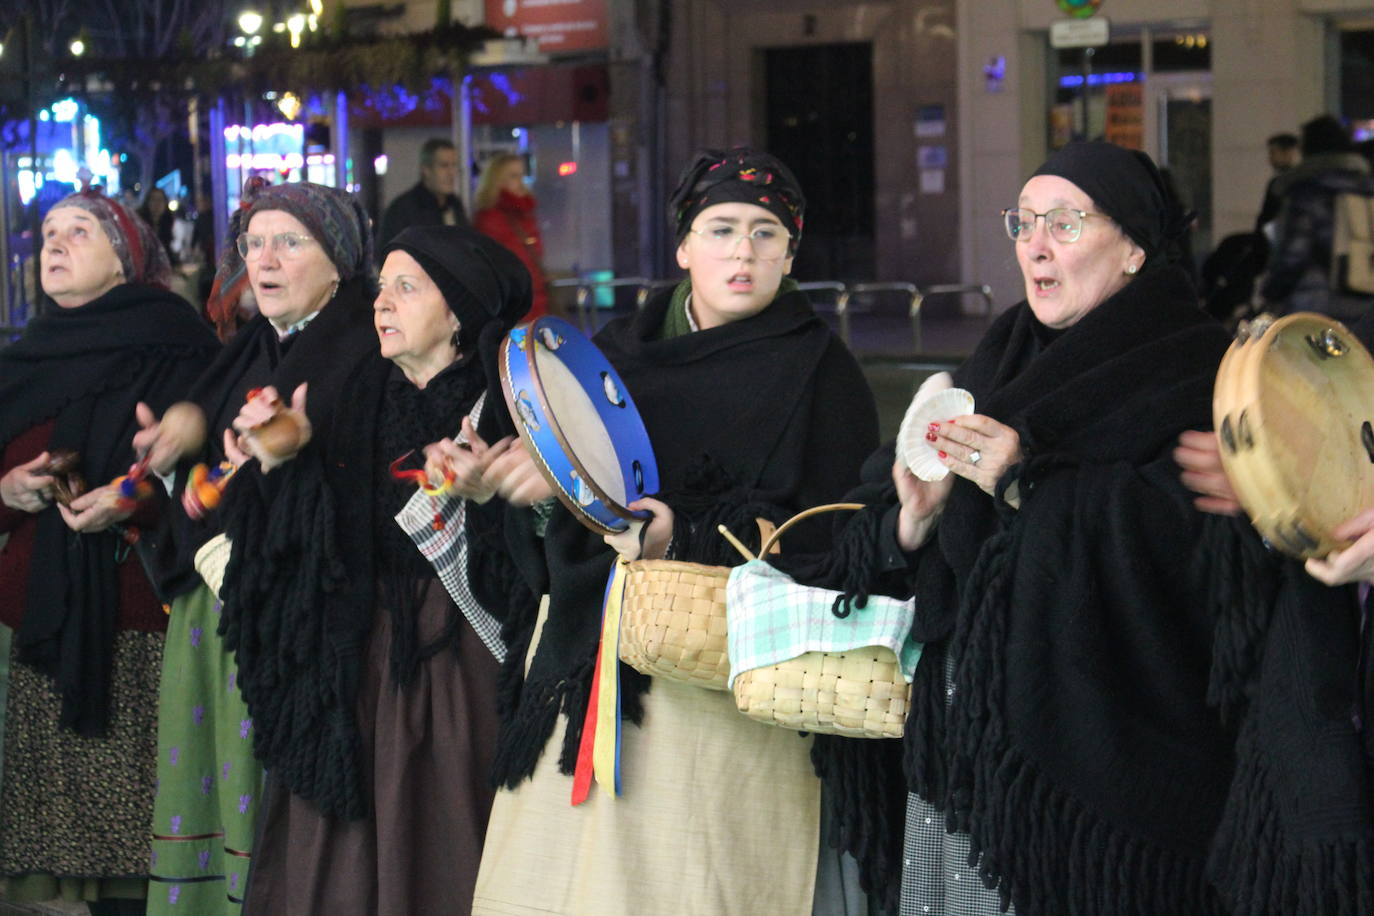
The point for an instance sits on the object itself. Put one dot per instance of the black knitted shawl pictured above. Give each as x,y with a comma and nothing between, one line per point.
85,369
1080,752
322,353
760,417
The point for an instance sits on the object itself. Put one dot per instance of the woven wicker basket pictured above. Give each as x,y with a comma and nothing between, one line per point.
859,693
672,621
672,618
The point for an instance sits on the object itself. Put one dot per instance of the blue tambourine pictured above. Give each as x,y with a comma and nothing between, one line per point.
578,421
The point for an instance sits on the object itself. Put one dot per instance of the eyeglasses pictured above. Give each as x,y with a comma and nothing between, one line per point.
287,245
1064,224
722,241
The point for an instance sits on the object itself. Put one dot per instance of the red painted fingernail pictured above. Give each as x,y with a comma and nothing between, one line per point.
931,437
942,455
934,428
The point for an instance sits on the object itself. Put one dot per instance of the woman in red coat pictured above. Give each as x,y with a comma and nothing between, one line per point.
505,212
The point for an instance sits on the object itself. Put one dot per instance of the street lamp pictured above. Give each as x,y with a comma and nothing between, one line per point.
250,21
296,25
77,47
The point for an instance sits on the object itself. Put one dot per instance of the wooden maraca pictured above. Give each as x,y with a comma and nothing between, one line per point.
63,467
280,436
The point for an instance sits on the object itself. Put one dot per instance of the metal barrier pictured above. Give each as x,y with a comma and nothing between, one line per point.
844,294
946,289
649,288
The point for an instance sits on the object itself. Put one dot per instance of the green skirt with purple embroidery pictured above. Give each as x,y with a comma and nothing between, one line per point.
208,782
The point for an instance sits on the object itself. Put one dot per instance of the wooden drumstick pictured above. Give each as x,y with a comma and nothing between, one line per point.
736,543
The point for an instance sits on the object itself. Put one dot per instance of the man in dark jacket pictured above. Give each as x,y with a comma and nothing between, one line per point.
1299,273
432,202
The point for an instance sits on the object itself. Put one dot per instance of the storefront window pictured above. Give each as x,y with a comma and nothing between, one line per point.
1357,80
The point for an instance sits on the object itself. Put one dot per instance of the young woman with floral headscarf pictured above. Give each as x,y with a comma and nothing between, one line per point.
754,409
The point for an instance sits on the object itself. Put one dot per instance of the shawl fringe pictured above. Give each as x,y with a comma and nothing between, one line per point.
1278,873
300,697
870,831
525,728
1066,858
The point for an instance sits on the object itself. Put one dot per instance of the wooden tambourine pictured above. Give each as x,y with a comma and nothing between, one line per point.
578,422
1293,406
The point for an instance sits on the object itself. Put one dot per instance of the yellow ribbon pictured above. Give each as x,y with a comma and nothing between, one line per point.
606,752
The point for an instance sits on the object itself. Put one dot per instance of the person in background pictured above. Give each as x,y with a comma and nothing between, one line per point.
1299,272
157,215
504,209
1284,155
433,201
81,733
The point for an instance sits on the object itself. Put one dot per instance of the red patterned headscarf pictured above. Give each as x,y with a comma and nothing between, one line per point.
136,245
742,175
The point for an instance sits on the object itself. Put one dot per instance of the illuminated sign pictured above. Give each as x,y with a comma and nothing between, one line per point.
558,25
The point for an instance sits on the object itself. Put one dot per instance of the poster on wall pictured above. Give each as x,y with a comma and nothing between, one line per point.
558,25
1126,115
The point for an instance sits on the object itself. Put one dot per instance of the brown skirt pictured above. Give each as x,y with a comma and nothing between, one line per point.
427,752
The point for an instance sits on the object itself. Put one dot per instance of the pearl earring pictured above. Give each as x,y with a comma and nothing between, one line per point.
1131,268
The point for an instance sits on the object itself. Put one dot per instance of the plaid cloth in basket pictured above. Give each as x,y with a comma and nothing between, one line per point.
446,549
772,618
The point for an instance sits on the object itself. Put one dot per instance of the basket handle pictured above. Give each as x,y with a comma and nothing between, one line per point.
805,514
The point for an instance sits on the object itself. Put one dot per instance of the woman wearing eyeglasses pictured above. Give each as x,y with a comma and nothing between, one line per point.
304,251
1060,725
754,409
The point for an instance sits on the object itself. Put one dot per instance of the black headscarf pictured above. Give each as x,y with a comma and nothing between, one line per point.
483,283
741,175
1127,186
84,369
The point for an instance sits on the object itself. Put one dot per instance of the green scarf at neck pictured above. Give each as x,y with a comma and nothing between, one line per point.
675,322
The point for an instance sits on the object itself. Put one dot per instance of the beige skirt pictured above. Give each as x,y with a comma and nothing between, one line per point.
720,815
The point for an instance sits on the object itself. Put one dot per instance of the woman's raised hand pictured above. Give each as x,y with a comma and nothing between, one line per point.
95,510
272,443
180,431
978,449
468,464
645,540
515,478
1356,562
25,488
1199,455
922,502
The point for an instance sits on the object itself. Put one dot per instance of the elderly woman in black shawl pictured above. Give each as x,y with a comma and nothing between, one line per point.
1060,729
79,757
754,409
372,697
304,251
